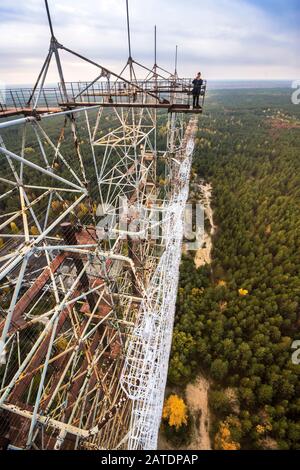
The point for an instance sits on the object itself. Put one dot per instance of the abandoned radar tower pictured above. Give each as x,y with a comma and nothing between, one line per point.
94,181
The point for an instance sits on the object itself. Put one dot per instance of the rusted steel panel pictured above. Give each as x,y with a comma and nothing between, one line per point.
37,359
32,293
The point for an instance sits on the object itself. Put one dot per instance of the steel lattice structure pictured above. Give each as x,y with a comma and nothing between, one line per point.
91,226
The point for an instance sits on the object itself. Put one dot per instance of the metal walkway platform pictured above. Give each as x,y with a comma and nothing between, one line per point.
27,111
172,96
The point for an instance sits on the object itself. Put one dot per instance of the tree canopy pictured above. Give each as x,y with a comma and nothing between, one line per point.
237,319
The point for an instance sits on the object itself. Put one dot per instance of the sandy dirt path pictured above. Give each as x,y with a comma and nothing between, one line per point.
197,400
203,255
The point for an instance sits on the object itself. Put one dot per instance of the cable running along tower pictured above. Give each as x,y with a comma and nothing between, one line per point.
94,181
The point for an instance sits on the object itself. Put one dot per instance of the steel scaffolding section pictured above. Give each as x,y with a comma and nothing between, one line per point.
80,304
145,370
95,278
91,228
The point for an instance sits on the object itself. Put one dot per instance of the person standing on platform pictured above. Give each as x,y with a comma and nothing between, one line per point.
197,85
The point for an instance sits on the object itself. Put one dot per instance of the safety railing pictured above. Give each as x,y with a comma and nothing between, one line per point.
177,92
18,99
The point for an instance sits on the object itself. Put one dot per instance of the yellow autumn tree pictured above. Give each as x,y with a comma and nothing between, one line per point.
196,291
56,205
14,228
224,439
28,150
243,292
175,411
263,428
34,231
162,182
62,344
83,210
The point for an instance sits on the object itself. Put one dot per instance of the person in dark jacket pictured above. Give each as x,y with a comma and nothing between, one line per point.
197,83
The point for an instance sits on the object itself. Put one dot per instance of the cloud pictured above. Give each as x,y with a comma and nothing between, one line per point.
225,38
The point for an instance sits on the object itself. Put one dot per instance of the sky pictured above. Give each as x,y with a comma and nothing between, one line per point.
224,39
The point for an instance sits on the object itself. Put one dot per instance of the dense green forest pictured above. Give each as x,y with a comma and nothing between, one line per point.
248,148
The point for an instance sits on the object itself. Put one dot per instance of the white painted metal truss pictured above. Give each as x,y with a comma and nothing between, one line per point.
88,307
93,192
145,370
